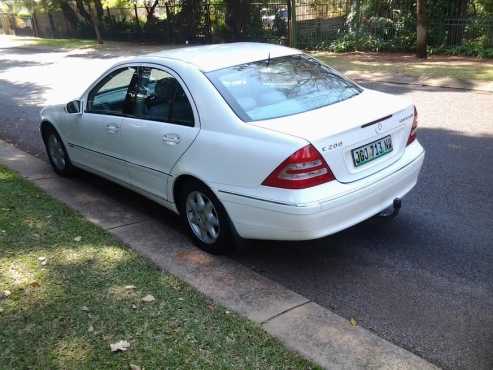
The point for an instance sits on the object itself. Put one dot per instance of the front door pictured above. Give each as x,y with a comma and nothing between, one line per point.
98,140
161,129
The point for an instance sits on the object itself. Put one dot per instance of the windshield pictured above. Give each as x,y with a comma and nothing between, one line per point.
280,87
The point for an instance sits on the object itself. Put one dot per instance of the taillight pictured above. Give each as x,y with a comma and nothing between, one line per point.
303,169
414,128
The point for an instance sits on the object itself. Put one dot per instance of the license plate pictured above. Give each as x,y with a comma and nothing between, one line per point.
372,151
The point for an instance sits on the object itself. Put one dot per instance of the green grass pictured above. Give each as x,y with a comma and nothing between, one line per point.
440,67
60,43
43,324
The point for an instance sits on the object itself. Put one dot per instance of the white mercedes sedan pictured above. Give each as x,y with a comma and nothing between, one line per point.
252,140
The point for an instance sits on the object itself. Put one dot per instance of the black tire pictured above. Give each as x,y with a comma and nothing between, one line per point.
224,241
58,155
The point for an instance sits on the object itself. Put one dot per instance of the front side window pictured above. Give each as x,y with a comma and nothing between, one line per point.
161,98
114,94
280,87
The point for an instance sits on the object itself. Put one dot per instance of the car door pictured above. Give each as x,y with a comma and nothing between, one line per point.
162,128
98,142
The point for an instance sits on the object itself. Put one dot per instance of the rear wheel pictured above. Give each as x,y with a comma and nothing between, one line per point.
205,218
57,154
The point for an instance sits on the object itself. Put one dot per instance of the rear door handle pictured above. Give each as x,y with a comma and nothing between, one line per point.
171,139
112,128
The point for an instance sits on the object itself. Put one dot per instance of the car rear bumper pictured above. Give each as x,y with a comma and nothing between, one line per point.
260,219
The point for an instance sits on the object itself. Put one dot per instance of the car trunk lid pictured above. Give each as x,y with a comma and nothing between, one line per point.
337,130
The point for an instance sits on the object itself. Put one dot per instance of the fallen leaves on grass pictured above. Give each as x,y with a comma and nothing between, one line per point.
77,239
354,322
85,308
35,284
148,298
120,346
135,367
5,294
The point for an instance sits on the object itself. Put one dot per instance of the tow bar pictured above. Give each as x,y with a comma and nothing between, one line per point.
393,210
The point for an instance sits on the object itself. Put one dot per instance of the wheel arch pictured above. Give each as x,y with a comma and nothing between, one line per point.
46,125
178,184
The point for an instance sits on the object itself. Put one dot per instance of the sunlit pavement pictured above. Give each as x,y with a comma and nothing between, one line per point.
423,281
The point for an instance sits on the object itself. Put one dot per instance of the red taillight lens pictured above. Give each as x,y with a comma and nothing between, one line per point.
303,169
414,128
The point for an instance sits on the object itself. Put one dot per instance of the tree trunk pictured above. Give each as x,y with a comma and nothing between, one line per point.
421,31
95,23
35,25
354,17
150,10
136,17
69,15
237,17
83,12
99,10
90,18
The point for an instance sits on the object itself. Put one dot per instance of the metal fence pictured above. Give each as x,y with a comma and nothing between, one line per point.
15,25
388,24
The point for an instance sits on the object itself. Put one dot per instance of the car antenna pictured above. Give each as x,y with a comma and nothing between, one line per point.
268,60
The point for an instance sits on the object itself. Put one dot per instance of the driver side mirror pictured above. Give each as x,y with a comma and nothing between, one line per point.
74,106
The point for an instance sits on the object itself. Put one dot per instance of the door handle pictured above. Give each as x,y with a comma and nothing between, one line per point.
171,139
112,129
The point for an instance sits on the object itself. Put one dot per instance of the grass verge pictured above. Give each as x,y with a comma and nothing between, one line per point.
461,69
66,294
59,43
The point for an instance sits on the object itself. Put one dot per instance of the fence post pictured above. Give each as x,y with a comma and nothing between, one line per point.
292,30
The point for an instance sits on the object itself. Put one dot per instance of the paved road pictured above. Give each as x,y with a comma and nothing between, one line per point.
423,281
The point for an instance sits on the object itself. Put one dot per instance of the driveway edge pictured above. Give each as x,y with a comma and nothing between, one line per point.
303,326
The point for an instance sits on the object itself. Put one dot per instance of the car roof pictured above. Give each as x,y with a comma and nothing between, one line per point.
218,56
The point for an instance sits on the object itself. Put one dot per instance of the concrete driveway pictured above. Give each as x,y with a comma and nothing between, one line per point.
423,281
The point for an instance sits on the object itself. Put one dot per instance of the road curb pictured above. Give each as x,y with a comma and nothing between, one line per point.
480,88
302,325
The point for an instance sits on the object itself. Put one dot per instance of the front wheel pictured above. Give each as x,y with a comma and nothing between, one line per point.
205,218
57,154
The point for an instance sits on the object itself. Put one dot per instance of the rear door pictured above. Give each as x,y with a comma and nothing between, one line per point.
163,125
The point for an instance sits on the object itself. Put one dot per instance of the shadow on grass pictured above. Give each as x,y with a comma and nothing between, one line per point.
66,312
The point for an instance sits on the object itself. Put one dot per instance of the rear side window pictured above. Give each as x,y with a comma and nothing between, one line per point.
113,95
161,98
280,87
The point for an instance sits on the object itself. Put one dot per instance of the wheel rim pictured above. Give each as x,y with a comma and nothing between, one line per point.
202,217
57,153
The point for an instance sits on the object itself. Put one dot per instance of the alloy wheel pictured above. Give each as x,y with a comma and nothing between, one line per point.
202,217
57,153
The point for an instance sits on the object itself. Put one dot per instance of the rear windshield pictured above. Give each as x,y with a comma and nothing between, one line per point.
280,87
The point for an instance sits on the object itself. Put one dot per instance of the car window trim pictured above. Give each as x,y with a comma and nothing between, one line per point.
169,121
240,112
165,68
98,85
